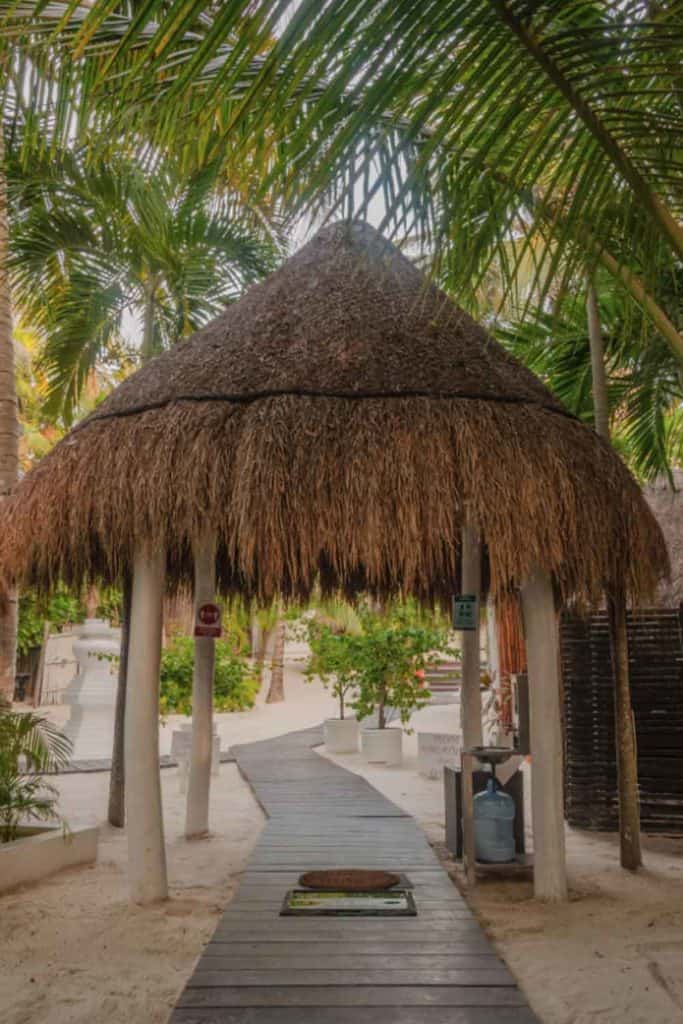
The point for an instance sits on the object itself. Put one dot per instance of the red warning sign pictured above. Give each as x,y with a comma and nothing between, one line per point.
208,621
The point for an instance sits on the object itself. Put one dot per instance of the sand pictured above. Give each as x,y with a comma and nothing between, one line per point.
613,954
73,951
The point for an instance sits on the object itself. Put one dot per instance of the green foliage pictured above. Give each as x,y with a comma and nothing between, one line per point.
471,121
60,609
93,240
644,380
382,664
235,686
109,605
31,739
332,661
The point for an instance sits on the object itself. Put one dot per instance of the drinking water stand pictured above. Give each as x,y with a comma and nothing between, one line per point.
490,756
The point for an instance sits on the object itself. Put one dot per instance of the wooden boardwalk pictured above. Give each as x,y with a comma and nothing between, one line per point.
260,968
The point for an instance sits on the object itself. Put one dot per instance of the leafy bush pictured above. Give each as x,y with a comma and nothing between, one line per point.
109,605
382,663
235,686
28,742
332,661
60,609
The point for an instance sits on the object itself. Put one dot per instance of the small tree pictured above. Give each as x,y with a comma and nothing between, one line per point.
390,659
331,662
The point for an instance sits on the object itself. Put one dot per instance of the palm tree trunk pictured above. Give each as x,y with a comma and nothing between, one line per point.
625,738
597,349
116,813
9,437
276,692
117,779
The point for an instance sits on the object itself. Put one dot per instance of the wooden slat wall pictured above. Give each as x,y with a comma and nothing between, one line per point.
656,667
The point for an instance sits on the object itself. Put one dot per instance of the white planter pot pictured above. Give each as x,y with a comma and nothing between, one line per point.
42,850
341,735
382,746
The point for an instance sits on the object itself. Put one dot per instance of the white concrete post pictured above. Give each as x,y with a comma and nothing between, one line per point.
547,787
146,849
470,696
197,808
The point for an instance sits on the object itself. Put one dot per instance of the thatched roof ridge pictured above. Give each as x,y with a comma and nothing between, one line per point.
348,315
338,423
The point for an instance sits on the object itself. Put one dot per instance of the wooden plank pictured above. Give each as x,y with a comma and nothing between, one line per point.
316,959
315,995
368,1014
284,977
261,968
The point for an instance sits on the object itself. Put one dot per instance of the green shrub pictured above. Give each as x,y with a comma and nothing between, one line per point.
382,662
60,609
235,685
31,739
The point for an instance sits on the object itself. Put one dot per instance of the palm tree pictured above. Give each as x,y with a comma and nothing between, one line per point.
94,244
471,120
9,441
644,386
474,112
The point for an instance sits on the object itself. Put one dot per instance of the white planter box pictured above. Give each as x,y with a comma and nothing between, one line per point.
45,851
341,735
435,750
382,746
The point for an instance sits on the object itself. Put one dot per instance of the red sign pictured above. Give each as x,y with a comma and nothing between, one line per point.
208,621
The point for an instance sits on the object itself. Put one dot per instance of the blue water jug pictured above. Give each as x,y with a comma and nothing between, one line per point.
494,815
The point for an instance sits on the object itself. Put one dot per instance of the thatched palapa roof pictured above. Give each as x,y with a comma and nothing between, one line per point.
338,423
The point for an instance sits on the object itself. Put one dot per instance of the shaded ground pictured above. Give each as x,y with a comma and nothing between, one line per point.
72,950
613,954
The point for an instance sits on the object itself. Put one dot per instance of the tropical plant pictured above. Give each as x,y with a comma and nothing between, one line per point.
469,120
331,661
94,243
235,685
382,662
59,609
28,744
644,381
389,661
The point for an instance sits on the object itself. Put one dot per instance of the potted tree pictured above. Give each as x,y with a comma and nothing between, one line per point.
331,662
389,659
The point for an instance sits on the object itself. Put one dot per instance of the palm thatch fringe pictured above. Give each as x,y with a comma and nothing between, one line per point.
358,494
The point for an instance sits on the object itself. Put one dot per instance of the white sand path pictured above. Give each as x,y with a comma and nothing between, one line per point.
72,951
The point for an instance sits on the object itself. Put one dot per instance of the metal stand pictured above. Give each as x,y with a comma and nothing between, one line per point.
459,789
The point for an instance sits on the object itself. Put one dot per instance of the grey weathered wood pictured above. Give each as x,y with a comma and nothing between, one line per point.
357,1015
316,959
261,968
317,995
286,976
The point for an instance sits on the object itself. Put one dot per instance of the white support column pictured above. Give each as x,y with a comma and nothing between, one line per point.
198,790
470,694
146,849
547,789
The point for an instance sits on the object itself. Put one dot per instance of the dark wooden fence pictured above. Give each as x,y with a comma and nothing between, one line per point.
656,667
